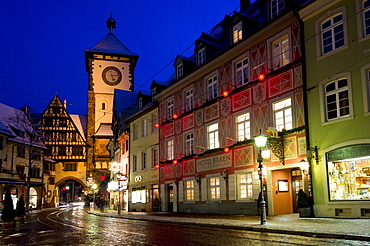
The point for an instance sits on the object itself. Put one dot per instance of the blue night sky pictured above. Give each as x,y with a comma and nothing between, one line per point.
43,42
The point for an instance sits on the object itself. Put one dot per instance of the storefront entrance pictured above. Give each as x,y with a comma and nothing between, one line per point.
285,186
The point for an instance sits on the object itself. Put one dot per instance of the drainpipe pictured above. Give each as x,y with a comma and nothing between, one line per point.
305,104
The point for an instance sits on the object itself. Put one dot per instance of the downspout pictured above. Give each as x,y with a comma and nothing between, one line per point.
305,100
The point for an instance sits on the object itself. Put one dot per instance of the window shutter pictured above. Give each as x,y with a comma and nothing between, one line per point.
204,189
181,191
232,187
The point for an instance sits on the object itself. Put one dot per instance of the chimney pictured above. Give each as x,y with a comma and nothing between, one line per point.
65,103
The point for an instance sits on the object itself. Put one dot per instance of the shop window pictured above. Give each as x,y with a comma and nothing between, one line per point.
349,178
139,195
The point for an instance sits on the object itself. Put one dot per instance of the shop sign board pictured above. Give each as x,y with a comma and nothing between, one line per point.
350,152
214,162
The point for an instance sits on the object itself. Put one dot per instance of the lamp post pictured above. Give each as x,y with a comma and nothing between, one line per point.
119,175
260,141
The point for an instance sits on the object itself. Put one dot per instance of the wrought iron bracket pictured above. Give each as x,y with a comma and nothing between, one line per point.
276,144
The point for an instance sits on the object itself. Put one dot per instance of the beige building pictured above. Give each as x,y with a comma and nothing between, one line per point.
144,174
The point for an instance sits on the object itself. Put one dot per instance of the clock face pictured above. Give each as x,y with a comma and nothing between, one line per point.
112,75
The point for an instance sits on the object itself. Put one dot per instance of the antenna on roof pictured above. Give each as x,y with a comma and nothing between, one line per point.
111,23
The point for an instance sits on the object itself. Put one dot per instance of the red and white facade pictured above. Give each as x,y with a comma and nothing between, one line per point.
223,104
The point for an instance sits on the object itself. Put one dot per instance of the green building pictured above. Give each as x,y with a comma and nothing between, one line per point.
337,44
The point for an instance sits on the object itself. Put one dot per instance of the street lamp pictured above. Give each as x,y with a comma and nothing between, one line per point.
119,176
260,141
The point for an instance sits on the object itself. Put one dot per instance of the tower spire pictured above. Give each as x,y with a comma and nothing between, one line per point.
111,23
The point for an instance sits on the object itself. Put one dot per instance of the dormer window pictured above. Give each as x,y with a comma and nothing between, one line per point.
201,56
140,103
277,7
237,32
179,71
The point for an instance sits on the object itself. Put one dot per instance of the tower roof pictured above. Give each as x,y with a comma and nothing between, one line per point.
112,45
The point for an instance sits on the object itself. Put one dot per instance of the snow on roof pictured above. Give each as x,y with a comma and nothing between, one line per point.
80,122
17,122
105,130
111,44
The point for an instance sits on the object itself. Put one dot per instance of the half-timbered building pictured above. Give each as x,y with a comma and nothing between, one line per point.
64,136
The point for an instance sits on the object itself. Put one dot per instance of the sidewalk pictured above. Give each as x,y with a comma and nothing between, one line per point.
352,229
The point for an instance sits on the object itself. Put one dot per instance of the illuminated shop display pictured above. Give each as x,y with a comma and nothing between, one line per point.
349,173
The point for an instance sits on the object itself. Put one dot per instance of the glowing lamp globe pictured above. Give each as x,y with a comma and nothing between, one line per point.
260,140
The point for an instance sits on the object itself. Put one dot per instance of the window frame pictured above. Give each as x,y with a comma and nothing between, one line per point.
154,160
361,21
238,32
201,56
144,160
283,110
134,163
248,186
179,71
189,99
279,8
170,108
319,41
144,127
189,190
322,84
189,143
237,123
135,133
242,68
365,77
170,149
213,134
214,189
278,58
212,86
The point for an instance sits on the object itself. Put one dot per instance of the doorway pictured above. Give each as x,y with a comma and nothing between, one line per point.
170,197
297,184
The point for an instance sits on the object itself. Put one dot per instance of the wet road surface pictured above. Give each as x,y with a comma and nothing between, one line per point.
73,226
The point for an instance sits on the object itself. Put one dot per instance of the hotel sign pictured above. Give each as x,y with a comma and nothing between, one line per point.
350,152
214,162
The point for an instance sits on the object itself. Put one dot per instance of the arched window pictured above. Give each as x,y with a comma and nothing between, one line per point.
103,106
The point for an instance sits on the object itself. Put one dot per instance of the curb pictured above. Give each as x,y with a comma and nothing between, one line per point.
245,228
